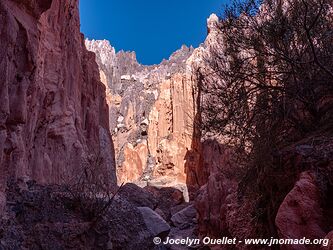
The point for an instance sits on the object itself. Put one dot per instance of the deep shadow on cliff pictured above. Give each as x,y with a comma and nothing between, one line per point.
53,120
293,199
283,188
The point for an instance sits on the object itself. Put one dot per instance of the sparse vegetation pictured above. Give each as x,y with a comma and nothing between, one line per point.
266,86
89,191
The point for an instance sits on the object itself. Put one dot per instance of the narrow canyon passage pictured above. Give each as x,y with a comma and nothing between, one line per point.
155,114
155,108
62,129
154,122
220,144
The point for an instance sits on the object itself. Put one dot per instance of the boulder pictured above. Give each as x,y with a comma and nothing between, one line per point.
154,222
300,214
138,196
328,244
185,217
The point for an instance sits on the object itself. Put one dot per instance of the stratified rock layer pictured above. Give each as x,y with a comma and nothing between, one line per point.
53,111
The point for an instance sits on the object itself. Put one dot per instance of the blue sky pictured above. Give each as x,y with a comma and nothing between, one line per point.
152,28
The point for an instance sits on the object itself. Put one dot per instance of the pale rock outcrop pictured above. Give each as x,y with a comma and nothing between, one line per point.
135,161
171,127
53,112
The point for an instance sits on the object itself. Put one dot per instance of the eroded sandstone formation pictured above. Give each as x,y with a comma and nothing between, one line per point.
207,165
54,116
303,200
299,201
301,212
53,113
158,143
54,119
155,108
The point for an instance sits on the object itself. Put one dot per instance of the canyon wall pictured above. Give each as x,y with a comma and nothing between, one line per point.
53,113
54,120
155,108
156,129
158,143
58,109
297,203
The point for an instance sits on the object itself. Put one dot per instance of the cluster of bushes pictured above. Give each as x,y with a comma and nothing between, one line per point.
268,84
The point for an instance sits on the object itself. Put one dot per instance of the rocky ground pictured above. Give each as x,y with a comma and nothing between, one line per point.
46,217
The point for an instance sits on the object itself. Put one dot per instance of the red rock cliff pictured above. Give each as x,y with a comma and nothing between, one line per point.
155,108
53,111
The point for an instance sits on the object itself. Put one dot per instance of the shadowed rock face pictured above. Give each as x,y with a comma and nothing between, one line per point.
46,217
53,111
305,207
53,114
300,213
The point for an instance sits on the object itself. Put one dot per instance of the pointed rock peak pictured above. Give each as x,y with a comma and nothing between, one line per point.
129,53
181,54
184,47
93,44
212,22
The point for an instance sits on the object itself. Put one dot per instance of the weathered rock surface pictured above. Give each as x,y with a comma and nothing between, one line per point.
221,205
157,141
154,222
158,144
54,116
138,196
213,198
53,111
300,214
185,217
307,209
46,217
329,237
155,107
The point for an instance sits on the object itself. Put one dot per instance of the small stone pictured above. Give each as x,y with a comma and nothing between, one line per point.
120,119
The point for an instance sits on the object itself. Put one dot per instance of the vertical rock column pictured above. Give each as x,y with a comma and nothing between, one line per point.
53,112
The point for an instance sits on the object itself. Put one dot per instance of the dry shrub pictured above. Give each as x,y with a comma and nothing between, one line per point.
264,86
89,190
